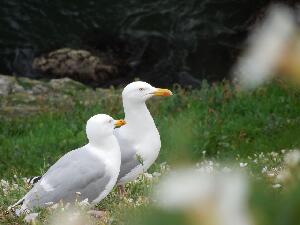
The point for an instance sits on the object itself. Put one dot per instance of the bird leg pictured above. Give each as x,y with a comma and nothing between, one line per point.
121,190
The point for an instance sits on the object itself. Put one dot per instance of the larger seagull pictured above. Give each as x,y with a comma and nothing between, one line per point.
91,170
139,139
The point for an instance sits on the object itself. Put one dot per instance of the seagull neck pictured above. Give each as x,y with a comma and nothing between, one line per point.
137,114
103,143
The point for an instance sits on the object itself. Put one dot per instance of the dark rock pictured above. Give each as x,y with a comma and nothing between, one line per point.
187,80
77,64
6,85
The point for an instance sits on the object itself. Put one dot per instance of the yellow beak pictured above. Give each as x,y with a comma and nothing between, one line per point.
119,123
162,92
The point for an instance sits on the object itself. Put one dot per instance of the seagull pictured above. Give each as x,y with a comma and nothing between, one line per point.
89,172
139,139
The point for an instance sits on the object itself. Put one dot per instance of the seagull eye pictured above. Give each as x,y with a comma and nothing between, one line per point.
141,89
110,121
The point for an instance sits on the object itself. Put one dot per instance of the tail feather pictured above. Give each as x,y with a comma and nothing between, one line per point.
20,202
33,180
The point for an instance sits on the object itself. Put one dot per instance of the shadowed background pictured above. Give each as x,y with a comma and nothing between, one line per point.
163,42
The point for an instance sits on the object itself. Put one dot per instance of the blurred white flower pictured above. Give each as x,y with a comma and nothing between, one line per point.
226,170
233,200
220,198
182,189
264,170
276,186
148,176
266,47
206,168
55,206
15,186
243,164
85,203
156,174
71,216
284,176
292,158
164,167
31,218
270,174
4,184
49,203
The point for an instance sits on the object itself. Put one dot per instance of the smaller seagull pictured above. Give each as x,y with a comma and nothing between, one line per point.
89,172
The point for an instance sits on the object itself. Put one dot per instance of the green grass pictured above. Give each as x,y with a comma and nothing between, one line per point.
226,124
212,119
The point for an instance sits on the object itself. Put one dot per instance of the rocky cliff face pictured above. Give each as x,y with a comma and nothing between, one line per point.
163,42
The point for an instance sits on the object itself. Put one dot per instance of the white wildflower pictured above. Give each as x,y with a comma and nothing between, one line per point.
71,216
261,155
242,165
266,47
15,187
180,189
129,200
226,170
156,174
148,176
292,158
55,206
276,186
215,196
264,170
67,205
84,203
25,180
283,176
4,184
30,218
270,174
206,168
164,167
274,154
49,203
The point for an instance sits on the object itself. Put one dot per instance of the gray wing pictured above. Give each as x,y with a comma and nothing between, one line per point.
77,171
129,158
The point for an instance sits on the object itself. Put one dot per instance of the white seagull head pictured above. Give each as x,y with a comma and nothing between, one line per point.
140,91
101,125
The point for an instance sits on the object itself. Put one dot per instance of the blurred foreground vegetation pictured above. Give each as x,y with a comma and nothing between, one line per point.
216,123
